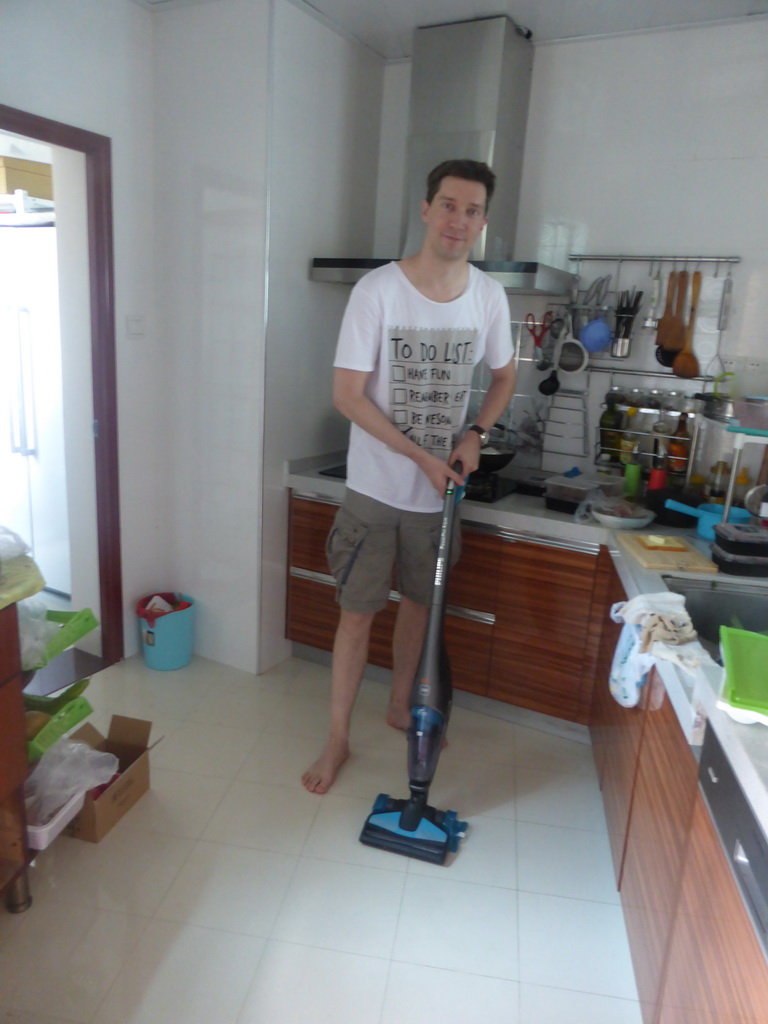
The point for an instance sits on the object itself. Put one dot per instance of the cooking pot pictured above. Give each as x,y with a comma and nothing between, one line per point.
708,515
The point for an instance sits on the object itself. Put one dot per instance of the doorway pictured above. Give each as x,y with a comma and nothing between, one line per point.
95,152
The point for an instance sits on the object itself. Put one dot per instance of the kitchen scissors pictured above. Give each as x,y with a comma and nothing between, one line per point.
538,335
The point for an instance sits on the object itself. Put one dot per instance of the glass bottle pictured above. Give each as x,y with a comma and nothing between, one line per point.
742,485
717,483
629,439
611,423
679,446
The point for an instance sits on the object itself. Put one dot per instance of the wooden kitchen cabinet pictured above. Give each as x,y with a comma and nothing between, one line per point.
543,614
312,612
524,623
660,820
717,971
616,731
13,767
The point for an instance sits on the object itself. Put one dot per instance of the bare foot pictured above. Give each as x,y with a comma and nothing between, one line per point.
399,718
321,775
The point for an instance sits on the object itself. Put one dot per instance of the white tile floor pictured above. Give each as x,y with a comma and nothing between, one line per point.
229,895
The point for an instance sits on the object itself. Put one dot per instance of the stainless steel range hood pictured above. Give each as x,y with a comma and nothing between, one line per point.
470,86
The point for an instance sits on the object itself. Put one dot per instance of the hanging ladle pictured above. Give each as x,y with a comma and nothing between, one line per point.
550,385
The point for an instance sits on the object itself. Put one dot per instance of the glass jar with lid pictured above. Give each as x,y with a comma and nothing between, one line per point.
674,401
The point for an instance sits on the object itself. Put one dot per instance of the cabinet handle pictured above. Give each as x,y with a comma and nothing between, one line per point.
583,547
712,774
746,873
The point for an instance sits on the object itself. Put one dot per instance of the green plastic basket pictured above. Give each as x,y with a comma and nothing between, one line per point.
745,657
52,705
69,716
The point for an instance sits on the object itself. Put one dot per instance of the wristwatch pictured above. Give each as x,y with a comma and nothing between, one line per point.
484,434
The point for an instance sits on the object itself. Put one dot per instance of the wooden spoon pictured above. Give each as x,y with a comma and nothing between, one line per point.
686,364
676,335
662,328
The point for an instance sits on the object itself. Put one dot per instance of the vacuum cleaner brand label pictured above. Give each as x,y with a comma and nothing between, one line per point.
430,373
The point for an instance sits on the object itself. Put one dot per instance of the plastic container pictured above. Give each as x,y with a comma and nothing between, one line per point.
745,656
708,515
167,640
565,494
752,412
742,539
739,565
40,837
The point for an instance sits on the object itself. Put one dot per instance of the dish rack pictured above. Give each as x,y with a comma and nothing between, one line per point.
565,425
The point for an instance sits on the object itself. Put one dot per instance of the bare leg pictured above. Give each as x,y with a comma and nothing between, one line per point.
350,655
410,627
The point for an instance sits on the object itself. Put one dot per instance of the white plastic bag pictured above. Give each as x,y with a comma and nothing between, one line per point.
35,632
630,667
66,768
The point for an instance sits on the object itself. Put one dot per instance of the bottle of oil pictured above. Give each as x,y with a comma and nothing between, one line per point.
717,483
610,426
679,446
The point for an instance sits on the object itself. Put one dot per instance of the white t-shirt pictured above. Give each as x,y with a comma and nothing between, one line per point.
421,356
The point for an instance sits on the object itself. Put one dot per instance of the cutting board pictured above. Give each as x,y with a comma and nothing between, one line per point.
689,560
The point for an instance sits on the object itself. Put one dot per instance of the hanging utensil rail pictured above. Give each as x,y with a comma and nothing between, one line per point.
578,257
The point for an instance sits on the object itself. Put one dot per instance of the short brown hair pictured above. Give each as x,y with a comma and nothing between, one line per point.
468,170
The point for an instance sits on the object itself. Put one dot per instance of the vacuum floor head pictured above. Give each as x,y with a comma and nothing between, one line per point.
436,835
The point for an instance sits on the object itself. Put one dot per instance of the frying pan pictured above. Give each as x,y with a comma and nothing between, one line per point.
495,456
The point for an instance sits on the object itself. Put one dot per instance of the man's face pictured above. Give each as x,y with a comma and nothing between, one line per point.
454,218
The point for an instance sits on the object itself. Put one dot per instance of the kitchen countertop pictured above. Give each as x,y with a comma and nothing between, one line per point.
694,697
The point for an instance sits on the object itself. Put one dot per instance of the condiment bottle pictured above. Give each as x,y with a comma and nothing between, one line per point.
717,483
742,485
610,425
629,440
679,446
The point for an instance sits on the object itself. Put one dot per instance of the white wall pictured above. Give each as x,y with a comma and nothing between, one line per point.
211,89
654,143
324,142
88,63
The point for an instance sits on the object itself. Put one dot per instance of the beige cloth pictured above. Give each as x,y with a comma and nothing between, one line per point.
666,629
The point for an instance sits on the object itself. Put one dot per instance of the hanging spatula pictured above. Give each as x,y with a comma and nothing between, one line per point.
675,339
667,317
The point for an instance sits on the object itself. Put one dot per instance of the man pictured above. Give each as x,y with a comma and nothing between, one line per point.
409,340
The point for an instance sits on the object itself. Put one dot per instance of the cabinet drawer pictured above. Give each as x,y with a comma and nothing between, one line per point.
473,580
309,525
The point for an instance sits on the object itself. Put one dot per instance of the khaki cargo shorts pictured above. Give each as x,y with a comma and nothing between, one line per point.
369,538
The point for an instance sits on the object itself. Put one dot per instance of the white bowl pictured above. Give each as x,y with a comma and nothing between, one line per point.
622,522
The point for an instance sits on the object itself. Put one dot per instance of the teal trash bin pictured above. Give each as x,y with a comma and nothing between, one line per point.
167,639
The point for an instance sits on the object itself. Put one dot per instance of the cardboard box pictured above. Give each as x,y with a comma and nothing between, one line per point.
128,739
35,178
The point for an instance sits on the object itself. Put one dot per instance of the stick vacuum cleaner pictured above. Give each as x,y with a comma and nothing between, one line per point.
412,827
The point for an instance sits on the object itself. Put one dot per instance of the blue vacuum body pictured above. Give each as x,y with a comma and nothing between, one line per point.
411,826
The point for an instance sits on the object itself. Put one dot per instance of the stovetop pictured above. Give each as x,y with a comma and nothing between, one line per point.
485,487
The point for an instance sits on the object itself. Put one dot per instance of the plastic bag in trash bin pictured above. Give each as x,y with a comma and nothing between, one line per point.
152,607
67,768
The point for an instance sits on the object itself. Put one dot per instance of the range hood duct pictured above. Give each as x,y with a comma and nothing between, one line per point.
470,86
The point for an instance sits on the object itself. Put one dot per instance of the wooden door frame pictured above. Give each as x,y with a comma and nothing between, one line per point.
98,171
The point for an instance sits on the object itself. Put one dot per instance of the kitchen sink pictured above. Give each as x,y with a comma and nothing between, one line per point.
712,603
